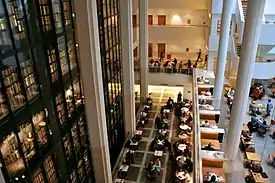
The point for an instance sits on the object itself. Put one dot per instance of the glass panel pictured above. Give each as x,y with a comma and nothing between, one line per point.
57,15
72,55
3,106
45,15
28,75
13,160
38,176
60,109
16,17
77,92
66,11
75,137
41,130
82,130
70,101
73,177
5,41
27,140
67,145
63,55
53,64
12,84
86,160
50,170
80,169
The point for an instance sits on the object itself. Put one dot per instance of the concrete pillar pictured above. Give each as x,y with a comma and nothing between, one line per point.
127,66
143,48
222,51
2,180
91,72
245,72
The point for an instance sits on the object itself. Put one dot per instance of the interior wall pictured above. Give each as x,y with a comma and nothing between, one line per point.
186,4
180,16
177,39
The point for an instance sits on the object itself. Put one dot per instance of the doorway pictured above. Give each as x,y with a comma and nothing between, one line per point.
161,50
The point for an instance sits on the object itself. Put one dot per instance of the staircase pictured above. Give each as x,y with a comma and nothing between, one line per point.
238,49
244,3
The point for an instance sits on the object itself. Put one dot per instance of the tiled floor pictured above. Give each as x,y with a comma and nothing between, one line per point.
143,156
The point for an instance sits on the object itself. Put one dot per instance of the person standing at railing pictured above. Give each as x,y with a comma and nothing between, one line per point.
205,61
199,59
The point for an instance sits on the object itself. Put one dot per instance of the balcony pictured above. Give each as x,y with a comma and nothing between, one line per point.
263,69
268,27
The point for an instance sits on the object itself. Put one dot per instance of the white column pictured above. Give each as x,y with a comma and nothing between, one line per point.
143,48
127,66
210,61
2,180
245,72
90,65
222,52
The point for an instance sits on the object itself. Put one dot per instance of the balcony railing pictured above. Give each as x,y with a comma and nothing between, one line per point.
174,70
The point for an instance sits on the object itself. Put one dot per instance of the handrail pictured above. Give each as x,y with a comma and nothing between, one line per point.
240,4
196,137
233,44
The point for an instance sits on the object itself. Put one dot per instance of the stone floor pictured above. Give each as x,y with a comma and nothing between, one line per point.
264,146
143,156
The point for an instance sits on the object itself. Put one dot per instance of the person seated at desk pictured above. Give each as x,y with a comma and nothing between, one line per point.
253,110
162,110
151,61
182,176
170,103
150,169
163,132
188,165
130,156
148,101
259,123
203,102
257,93
157,120
208,147
157,162
256,167
213,179
207,93
143,119
246,136
205,124
187,152
189,119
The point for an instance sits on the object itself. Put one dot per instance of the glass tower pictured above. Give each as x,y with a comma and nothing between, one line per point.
110,48
43,134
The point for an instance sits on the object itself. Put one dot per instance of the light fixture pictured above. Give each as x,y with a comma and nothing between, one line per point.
73,15
76,45
16,178
23,176
176,20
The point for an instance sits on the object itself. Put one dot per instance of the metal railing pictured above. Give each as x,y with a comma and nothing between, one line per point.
173,70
